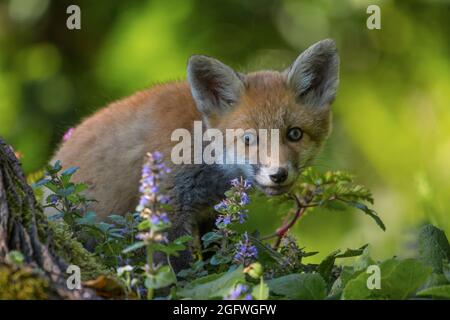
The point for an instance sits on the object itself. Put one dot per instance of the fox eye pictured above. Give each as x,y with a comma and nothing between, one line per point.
249,139
294,134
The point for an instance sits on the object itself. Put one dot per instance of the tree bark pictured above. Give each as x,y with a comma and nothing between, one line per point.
24,228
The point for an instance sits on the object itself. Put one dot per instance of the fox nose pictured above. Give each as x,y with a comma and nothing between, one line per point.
280,176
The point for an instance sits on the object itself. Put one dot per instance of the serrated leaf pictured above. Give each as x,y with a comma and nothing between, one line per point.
213,286
436,292
434,247
304,286
399,280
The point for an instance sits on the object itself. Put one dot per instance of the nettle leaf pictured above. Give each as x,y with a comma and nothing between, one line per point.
325,268
261,291
302,286
213,286
364,260
434,247
399,280
436,292
164,277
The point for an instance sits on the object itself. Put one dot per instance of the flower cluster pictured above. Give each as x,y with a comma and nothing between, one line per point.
292,254
246,253
232,209
239,292
152,201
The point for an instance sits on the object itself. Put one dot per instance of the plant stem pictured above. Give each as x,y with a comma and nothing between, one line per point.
150,269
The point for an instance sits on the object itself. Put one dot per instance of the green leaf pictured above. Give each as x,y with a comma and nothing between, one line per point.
88,218
261,291
433,247
446,270
213,286
304,286
164,277
170,249
182,239
436,292
325,268
69,171
65,192
144,225
134,247
210,237
363,261
266,255
399,280
120,220
15,257
369,212
80,187
219,259
41,183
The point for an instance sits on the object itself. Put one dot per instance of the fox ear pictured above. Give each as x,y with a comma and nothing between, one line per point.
314,76
214,85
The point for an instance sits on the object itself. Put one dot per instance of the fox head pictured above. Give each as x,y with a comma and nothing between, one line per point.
295,101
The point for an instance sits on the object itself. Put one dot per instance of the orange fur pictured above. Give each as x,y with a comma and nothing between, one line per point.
110,146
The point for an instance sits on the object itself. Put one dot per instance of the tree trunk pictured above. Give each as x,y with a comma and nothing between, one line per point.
24,228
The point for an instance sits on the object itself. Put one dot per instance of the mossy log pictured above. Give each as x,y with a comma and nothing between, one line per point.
48,248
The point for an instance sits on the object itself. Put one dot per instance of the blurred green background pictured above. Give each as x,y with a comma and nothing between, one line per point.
391,117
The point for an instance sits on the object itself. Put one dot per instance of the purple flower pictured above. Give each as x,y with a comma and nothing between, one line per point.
144,201
245,251
247,185
235,182
152,198
161,218
237,292
242,217
223,220
244,199
53,198
221,206
157,156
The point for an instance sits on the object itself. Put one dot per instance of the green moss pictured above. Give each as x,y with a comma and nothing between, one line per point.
23,284
71,251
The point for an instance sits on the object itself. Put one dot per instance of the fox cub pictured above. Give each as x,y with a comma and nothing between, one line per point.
110,146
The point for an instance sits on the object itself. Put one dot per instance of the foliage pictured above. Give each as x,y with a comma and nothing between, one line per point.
239,265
